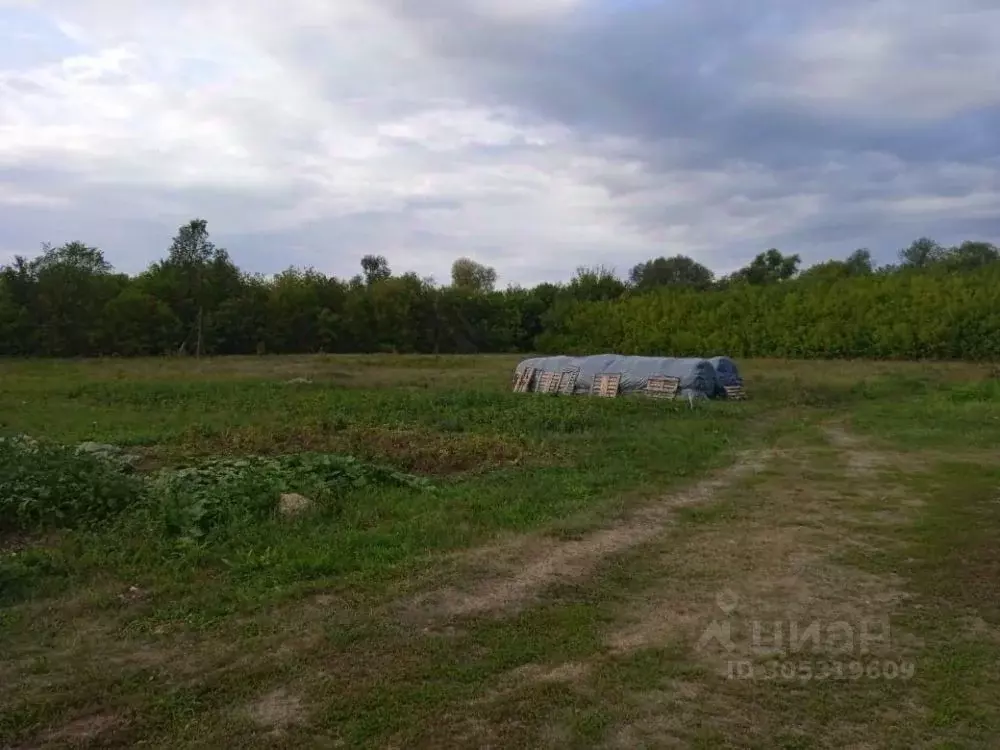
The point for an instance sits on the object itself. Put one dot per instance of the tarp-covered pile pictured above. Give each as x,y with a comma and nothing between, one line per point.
726,371
698,377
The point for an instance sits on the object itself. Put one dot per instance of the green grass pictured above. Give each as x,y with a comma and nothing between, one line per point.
160,610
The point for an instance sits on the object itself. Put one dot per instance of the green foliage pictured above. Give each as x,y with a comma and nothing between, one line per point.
468,274
376,268
27,572
937,303
932,314
679,271
768,268
193,502
922,253
596,284
45,485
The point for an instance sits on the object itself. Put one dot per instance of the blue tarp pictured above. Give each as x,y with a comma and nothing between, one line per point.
726,371
697,376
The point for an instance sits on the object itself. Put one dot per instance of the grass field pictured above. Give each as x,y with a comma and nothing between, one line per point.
494,569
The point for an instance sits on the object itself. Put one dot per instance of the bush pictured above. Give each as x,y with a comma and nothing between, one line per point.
45,485
905,315
192,503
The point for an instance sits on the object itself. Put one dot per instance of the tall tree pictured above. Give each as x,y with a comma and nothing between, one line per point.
76,255
858,263
375,268
194,279
921,253
72,284
769,267
678,271
595,284
971,255
468,274
18,292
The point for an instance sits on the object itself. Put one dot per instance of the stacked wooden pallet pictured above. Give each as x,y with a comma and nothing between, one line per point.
607,385
735,392
530,379
663,387
522,382
567,382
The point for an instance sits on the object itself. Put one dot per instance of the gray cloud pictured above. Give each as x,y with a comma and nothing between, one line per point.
536,136
689,70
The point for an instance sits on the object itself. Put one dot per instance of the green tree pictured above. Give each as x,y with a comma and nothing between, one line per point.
937,303
768,268
921,253
678,271
594,284
375,268
971,255
18,291
468,274
194,280
71,285
138,324
858,263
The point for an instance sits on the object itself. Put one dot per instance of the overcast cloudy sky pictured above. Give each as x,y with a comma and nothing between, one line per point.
532,135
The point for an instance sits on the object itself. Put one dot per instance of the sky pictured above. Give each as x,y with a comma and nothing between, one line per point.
535,136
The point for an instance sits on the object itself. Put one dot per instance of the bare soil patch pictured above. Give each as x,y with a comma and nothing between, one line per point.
277,710
861,460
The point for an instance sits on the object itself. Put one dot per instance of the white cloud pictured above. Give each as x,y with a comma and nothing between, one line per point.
305,122
263,122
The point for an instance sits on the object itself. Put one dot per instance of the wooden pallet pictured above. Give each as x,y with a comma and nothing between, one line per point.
548,382
606,386
523,382
663,387
567,382
735,392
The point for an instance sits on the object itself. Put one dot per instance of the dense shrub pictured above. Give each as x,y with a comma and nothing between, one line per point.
902,315
44,485
191,503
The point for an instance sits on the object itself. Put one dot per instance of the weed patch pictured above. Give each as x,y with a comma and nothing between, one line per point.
192,503
45,485
417,450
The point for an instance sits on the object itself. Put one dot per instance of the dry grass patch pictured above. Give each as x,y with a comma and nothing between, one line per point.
83,731
570,672
861,460
416,450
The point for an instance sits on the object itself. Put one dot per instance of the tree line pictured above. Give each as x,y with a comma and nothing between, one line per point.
936,302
